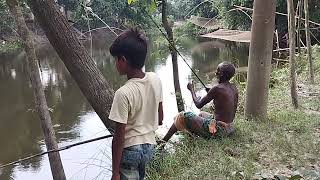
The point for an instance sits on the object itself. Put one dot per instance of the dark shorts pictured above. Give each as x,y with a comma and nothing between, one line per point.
190,116
208,122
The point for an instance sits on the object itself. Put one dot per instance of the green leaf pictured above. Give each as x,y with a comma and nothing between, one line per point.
131,1
153,6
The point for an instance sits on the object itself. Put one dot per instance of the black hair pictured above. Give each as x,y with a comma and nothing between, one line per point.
132,44
228,70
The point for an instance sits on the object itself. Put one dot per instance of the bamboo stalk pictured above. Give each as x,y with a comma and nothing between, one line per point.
286,49
299,13
308,41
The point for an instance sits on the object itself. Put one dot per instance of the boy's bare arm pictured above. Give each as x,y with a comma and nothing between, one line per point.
117,148
160,113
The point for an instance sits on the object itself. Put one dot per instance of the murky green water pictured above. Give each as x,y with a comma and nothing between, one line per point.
73,118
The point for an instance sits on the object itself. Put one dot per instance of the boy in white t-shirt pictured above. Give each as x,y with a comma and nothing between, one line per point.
136,108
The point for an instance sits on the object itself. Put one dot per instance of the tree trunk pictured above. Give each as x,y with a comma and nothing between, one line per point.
76,58
39,96
260,58
292,46
174,55
308,42
299,27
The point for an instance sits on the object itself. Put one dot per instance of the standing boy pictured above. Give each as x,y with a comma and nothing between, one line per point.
225,100
136,108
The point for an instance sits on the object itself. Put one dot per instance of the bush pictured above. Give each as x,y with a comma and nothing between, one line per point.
8,47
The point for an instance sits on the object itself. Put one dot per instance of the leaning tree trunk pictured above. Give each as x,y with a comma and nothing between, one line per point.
76,58
39,96
174,55
292,46
308,41
260,58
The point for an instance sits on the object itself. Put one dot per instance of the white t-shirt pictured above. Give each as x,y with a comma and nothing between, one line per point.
136,105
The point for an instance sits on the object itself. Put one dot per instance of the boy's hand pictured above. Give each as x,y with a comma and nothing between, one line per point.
115,177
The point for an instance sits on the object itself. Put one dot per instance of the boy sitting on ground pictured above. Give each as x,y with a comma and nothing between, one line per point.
225,100
136,108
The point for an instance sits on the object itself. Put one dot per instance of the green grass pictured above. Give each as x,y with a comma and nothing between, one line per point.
286,144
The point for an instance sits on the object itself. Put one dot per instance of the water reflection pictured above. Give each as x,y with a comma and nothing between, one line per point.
73,118
207,56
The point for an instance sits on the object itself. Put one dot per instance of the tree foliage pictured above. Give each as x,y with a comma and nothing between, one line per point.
117,13
235,19
124,13
6,23
206,9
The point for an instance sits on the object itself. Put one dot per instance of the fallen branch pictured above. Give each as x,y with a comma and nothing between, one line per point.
285,49
280,60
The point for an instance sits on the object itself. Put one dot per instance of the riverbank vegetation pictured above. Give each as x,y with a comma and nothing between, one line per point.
118,14
285,145
10,47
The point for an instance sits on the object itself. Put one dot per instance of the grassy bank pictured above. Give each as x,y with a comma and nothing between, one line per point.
285,145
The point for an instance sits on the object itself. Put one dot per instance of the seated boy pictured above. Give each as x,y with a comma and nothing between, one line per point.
136,108
225,100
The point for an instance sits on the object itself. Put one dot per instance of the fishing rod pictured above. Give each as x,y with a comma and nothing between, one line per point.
55,150
172,46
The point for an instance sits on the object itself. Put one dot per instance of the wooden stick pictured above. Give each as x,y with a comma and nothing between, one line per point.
278,41
285,49
281,60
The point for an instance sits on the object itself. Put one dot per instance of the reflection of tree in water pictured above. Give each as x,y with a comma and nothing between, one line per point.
19,129
109,71
207,55
157,54
185,44
106,63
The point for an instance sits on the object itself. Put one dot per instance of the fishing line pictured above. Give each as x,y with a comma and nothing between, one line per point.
172,46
